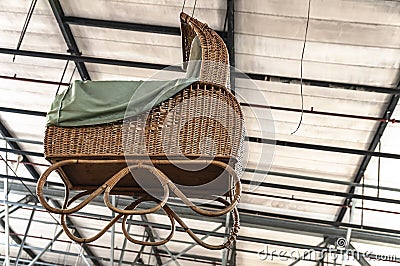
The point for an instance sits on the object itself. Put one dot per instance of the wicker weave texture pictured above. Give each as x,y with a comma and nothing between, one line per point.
215,58
202,119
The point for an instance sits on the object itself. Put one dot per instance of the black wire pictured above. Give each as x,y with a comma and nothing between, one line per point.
194,7
25,27
183,6
72,75
226,20
62,77
301,69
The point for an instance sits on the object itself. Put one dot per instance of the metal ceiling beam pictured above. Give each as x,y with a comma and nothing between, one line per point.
68,37
371,149
12,209
116,62
22,152
361,259
22,111
323,84
18,240
4,131
48,82
334,237
130,26
119,25
272,142
322,147
230,40
318,191
77,233
152,236
45,248
88,59
284,187
28,226
264,220
176,31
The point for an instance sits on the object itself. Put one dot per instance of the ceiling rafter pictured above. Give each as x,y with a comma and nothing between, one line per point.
68,37
35,174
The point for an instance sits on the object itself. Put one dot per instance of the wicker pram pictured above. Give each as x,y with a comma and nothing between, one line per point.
99,159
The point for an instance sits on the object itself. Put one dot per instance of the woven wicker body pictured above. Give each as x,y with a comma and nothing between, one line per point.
165,131
202,124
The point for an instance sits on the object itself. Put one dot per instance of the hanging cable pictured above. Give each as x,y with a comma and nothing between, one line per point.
301,68
24,28
72,75
62,77
183,6
194,7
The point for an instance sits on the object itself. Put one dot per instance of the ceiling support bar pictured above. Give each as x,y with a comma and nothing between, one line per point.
359,256
116,62
367,156
6,217
152,236
121,256
112,244
14,208
35,175
306,253
22,111
138,260
232,255
184,251
252,218
230,40
291,226
89,22
321,147
5,133
270,142
25,235
95,60
46,248
17,240
68,37
120,25
225,254
86,248
130,26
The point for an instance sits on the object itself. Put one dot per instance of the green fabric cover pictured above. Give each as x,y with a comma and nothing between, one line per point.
98,102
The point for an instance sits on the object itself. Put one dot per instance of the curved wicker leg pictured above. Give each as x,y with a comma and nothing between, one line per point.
147,243
89,239
80,239
231,238
42,181
182,196
161,177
